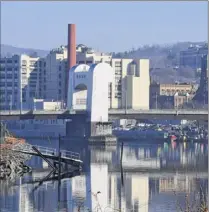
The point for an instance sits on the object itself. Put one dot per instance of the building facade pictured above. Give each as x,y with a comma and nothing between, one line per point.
170,96
19,81
132,80
25,77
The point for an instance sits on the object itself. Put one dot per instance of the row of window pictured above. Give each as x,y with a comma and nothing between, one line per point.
2,69
8,61
8,84
8,76
80,76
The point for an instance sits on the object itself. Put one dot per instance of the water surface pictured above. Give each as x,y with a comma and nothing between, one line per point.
150,178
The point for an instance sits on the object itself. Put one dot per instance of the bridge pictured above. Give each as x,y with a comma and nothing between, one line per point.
112,113
51,153
88,103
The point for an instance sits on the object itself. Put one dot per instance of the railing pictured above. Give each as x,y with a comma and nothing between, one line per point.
50,151
46,150
70,155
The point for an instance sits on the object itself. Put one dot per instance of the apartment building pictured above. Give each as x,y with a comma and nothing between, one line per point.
170,95
53,85
132,80
19,81
26,77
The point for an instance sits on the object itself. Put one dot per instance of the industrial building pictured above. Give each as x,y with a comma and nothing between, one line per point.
47,78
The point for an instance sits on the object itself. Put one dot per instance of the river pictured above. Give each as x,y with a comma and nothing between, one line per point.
152,178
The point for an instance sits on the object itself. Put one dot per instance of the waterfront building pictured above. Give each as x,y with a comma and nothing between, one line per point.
25,77
19,81
131,78
170,95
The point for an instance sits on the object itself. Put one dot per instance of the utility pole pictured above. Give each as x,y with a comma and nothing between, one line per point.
126,101
156,100
10,102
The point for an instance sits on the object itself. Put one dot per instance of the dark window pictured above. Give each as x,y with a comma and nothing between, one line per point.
9,69
9,84
60,76
32,94
9,61
2,76
60,91
9,76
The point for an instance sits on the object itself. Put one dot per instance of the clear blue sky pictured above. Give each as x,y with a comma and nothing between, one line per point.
106,26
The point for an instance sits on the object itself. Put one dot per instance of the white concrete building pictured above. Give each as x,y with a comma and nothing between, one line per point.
55,74
19,81
131,78
25,77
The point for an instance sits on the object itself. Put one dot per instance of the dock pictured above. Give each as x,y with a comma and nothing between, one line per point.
68,157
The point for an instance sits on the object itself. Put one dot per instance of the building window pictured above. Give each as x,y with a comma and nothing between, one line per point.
118,64
9,84
9,76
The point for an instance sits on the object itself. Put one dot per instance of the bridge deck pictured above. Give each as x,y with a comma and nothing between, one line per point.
50,153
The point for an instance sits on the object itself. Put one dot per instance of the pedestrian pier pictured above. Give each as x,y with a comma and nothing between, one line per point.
69,157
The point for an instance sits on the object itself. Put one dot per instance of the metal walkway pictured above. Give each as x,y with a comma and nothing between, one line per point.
51,153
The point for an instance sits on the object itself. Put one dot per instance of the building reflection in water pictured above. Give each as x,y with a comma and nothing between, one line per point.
151,174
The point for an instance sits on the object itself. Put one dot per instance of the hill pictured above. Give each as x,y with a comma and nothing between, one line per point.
7,50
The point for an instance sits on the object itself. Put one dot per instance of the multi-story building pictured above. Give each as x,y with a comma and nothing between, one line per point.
19,81
54,74
132,79
44,78
170,95
192,56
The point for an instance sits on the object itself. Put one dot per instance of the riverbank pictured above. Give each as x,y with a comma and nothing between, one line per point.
12,163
